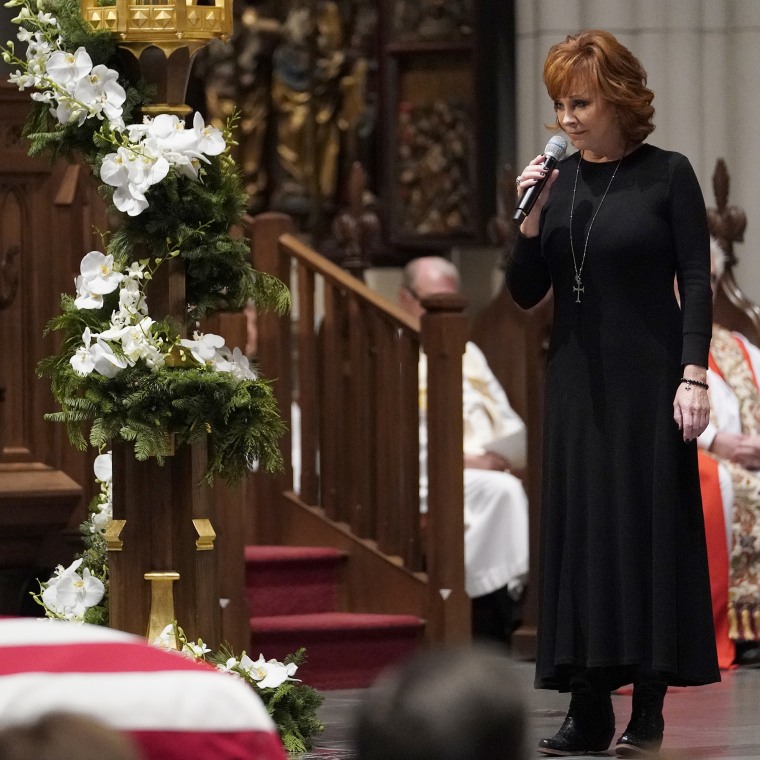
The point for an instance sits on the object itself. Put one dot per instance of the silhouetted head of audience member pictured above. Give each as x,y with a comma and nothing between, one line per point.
65,736
444,704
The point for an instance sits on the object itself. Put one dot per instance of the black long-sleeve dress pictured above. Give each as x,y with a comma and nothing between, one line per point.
624,581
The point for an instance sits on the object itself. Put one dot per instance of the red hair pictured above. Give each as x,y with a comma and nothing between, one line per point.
595,59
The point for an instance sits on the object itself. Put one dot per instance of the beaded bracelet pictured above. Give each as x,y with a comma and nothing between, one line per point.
689,382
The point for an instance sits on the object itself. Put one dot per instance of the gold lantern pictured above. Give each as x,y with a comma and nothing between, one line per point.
163,37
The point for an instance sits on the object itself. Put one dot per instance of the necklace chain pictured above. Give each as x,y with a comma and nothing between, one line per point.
578,287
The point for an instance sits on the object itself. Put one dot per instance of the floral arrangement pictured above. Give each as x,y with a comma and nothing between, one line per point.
120,373
291,704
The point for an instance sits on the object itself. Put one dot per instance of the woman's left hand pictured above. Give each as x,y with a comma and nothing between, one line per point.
691,410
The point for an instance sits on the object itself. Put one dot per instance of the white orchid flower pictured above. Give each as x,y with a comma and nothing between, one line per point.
99,274
100,521
241,367
113,170
66,69
269,674
68,110
229,665
107,363
47,19
197,650
69,595
234,362
131,299
203,347
98,357
86,299
61,571
101,90
103,467
210,139
83,360
129,200
132,174
24,15
135,271
136,339
167,639
22,80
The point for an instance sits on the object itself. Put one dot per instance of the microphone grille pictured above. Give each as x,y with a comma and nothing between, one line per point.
556,147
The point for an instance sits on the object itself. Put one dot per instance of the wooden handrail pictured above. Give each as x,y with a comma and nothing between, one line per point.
294,247
349,360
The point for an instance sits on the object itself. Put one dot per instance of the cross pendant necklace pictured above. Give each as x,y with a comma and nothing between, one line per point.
578,287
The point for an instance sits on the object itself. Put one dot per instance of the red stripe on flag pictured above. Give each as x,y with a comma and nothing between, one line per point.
199,745
114,657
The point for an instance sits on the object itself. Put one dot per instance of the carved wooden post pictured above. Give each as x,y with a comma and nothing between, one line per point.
169,523
727,224
164,522
444,332
357,227
274,348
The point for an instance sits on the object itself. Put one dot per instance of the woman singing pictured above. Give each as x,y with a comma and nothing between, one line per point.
625,595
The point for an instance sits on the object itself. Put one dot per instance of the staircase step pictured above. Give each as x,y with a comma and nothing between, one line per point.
344,650
285,580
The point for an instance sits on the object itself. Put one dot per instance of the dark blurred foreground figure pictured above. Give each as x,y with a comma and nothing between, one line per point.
444,704
65,736
625,591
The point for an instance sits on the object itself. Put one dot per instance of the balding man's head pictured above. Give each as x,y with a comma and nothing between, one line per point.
424,277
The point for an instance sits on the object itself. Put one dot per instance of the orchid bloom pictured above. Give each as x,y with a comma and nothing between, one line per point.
196,650
86,298
66,69
203,347
69,595
99,357
132,174
99,274
101,521
210,139
167,639
268,674
101,90
235,362
103,467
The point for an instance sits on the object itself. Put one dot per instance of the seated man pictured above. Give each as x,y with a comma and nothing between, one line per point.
495,503
730,476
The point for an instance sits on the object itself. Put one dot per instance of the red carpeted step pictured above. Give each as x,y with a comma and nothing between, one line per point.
344,650
284,580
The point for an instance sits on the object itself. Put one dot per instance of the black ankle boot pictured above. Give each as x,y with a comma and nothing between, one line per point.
643,736
588,727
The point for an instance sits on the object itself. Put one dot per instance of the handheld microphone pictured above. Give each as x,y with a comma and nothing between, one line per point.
553,154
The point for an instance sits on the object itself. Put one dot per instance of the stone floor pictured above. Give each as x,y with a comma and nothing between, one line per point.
706,723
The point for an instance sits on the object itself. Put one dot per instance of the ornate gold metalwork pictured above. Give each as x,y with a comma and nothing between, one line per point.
206,534
161,603
112,535
163,37
166,25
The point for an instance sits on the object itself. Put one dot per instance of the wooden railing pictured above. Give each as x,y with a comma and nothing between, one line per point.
348,359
